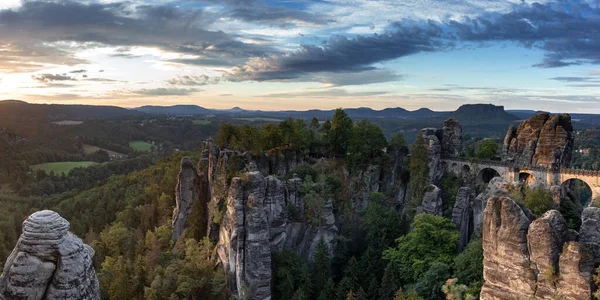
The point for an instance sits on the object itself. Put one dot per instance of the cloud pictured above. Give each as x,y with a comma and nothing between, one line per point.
343,54
46,78
165,92
567,31
42,24
576,79
78,71
356,78
324,94
193,80
254,11
30,57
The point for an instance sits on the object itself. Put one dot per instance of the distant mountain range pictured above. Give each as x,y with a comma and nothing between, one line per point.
14,111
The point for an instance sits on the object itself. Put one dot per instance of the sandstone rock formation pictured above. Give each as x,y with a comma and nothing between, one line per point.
506,258
543,140
461,215
432,202
545,240
444,142
49,263
452,139
187,193
496,187
576,269
433,138
255,208
589,233
257,222
538,259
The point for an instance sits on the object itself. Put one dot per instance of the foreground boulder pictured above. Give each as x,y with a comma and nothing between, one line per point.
506,258
48,263
539,259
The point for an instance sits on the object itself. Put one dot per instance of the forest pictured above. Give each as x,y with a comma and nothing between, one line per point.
124,209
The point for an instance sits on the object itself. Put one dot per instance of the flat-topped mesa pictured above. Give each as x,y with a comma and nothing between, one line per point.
49,262
543,140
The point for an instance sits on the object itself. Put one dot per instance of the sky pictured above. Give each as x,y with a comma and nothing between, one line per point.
303,54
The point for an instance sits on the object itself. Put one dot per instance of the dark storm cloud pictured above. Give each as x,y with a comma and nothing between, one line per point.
168,27
343,54
567,31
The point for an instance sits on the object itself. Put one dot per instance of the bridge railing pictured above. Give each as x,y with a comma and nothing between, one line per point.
569,171
498,163
579,172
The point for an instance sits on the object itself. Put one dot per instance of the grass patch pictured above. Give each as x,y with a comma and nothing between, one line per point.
62,167
140,146
201,122
259,119
89,149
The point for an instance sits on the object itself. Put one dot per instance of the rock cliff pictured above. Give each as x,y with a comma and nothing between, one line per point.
462,215
187,193
444,142
49,263
254,207
535,259
543,140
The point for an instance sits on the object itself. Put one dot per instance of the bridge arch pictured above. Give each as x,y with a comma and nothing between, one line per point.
465,169
526,178
454,168
486,174
578,189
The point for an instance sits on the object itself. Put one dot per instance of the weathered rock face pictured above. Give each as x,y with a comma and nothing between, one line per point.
461,215
49,263
589,233
545,240
432,202
576,269
452,139
187,193
253,213
496,187
244,246
433,138
543,140
257,222
506,258
534,260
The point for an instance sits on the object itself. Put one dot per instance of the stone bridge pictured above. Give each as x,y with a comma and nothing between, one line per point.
487,169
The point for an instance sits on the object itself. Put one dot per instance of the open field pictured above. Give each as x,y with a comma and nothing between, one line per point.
89,149
140,146
201,122
68,123
259,119
62,167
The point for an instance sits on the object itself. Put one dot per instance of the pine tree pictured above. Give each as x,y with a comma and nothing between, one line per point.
350,296
320,267
399,295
